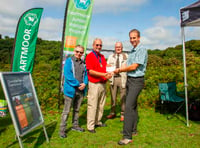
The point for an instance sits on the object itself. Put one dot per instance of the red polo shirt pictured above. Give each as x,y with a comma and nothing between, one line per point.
96,62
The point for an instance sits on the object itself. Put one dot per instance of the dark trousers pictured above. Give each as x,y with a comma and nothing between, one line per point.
134,87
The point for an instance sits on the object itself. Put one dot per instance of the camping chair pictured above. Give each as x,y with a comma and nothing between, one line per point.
168,92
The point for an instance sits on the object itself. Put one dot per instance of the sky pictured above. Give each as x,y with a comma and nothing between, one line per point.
157,20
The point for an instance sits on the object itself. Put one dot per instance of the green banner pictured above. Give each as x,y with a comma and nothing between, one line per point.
25,40
77,22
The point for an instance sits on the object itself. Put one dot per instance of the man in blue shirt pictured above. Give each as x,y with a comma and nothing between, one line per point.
75,81
136,67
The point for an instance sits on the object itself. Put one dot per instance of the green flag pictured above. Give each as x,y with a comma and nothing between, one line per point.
76,26
25,40
77,18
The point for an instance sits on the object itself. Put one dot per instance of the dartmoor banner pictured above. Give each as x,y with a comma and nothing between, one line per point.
25,40
76,24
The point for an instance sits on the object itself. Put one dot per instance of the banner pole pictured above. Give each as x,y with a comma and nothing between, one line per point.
13,51
185,76
61,53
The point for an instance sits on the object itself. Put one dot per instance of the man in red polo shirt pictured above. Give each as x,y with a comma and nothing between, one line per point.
97,75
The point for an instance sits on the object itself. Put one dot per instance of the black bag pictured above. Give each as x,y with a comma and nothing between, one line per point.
194,110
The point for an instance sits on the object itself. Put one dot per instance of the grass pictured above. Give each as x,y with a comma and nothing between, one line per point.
155,131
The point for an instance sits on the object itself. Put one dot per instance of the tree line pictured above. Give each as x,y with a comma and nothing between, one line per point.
163,66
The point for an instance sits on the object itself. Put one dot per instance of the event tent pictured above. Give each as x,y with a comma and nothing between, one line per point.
190,16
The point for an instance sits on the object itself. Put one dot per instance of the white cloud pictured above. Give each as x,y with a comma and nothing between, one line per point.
52,36
7,25
163,34
166,21
10,11
165,31
51,29
157,33
192,33
109,43
51,24
50,2
160,38
101,6
12,8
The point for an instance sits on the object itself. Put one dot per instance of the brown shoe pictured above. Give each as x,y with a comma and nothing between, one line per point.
122,119
125,141
111,116
92,131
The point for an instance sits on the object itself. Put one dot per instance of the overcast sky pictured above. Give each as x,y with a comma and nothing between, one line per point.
158,21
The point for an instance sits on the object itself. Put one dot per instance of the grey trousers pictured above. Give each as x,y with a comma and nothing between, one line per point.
76,102
134,87
113,88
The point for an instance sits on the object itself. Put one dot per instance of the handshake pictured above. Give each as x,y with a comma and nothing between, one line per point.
111,71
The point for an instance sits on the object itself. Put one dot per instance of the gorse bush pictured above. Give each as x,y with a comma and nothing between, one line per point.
163,66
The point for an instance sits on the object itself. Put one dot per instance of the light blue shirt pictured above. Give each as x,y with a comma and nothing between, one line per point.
138,55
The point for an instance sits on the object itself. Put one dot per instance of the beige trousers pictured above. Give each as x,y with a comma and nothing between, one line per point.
96,102
117,84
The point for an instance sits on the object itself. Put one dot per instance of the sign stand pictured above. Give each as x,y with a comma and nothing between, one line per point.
45,133
20,141
23,104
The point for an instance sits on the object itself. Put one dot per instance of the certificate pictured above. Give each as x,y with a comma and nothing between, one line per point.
110,69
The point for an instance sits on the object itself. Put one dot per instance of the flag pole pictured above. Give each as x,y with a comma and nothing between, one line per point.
61,53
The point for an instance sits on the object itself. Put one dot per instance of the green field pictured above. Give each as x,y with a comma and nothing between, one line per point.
155,131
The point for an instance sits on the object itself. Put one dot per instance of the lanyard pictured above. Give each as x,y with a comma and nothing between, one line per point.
97,56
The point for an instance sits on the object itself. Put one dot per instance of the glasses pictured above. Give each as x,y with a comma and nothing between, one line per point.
99,45
79,52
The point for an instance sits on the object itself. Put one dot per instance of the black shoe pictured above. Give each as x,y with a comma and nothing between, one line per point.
101,125
63,136
92,131
77,128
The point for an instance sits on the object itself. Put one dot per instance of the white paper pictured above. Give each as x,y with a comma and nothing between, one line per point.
110,69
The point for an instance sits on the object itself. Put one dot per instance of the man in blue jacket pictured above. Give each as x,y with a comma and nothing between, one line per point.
75,81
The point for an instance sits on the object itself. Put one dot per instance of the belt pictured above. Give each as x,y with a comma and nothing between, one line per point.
116,76
136,77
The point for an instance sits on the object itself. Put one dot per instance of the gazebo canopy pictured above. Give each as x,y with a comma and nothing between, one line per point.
190,15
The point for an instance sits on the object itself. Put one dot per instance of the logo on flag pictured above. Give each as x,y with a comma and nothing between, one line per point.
82,4
31,19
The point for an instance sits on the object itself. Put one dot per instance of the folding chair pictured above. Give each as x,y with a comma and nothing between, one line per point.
168,92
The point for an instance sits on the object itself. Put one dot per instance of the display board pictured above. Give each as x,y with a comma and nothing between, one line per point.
22,101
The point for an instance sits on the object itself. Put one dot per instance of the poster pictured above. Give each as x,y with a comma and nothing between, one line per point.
22,100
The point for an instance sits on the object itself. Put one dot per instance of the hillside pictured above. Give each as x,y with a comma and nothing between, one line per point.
163,66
